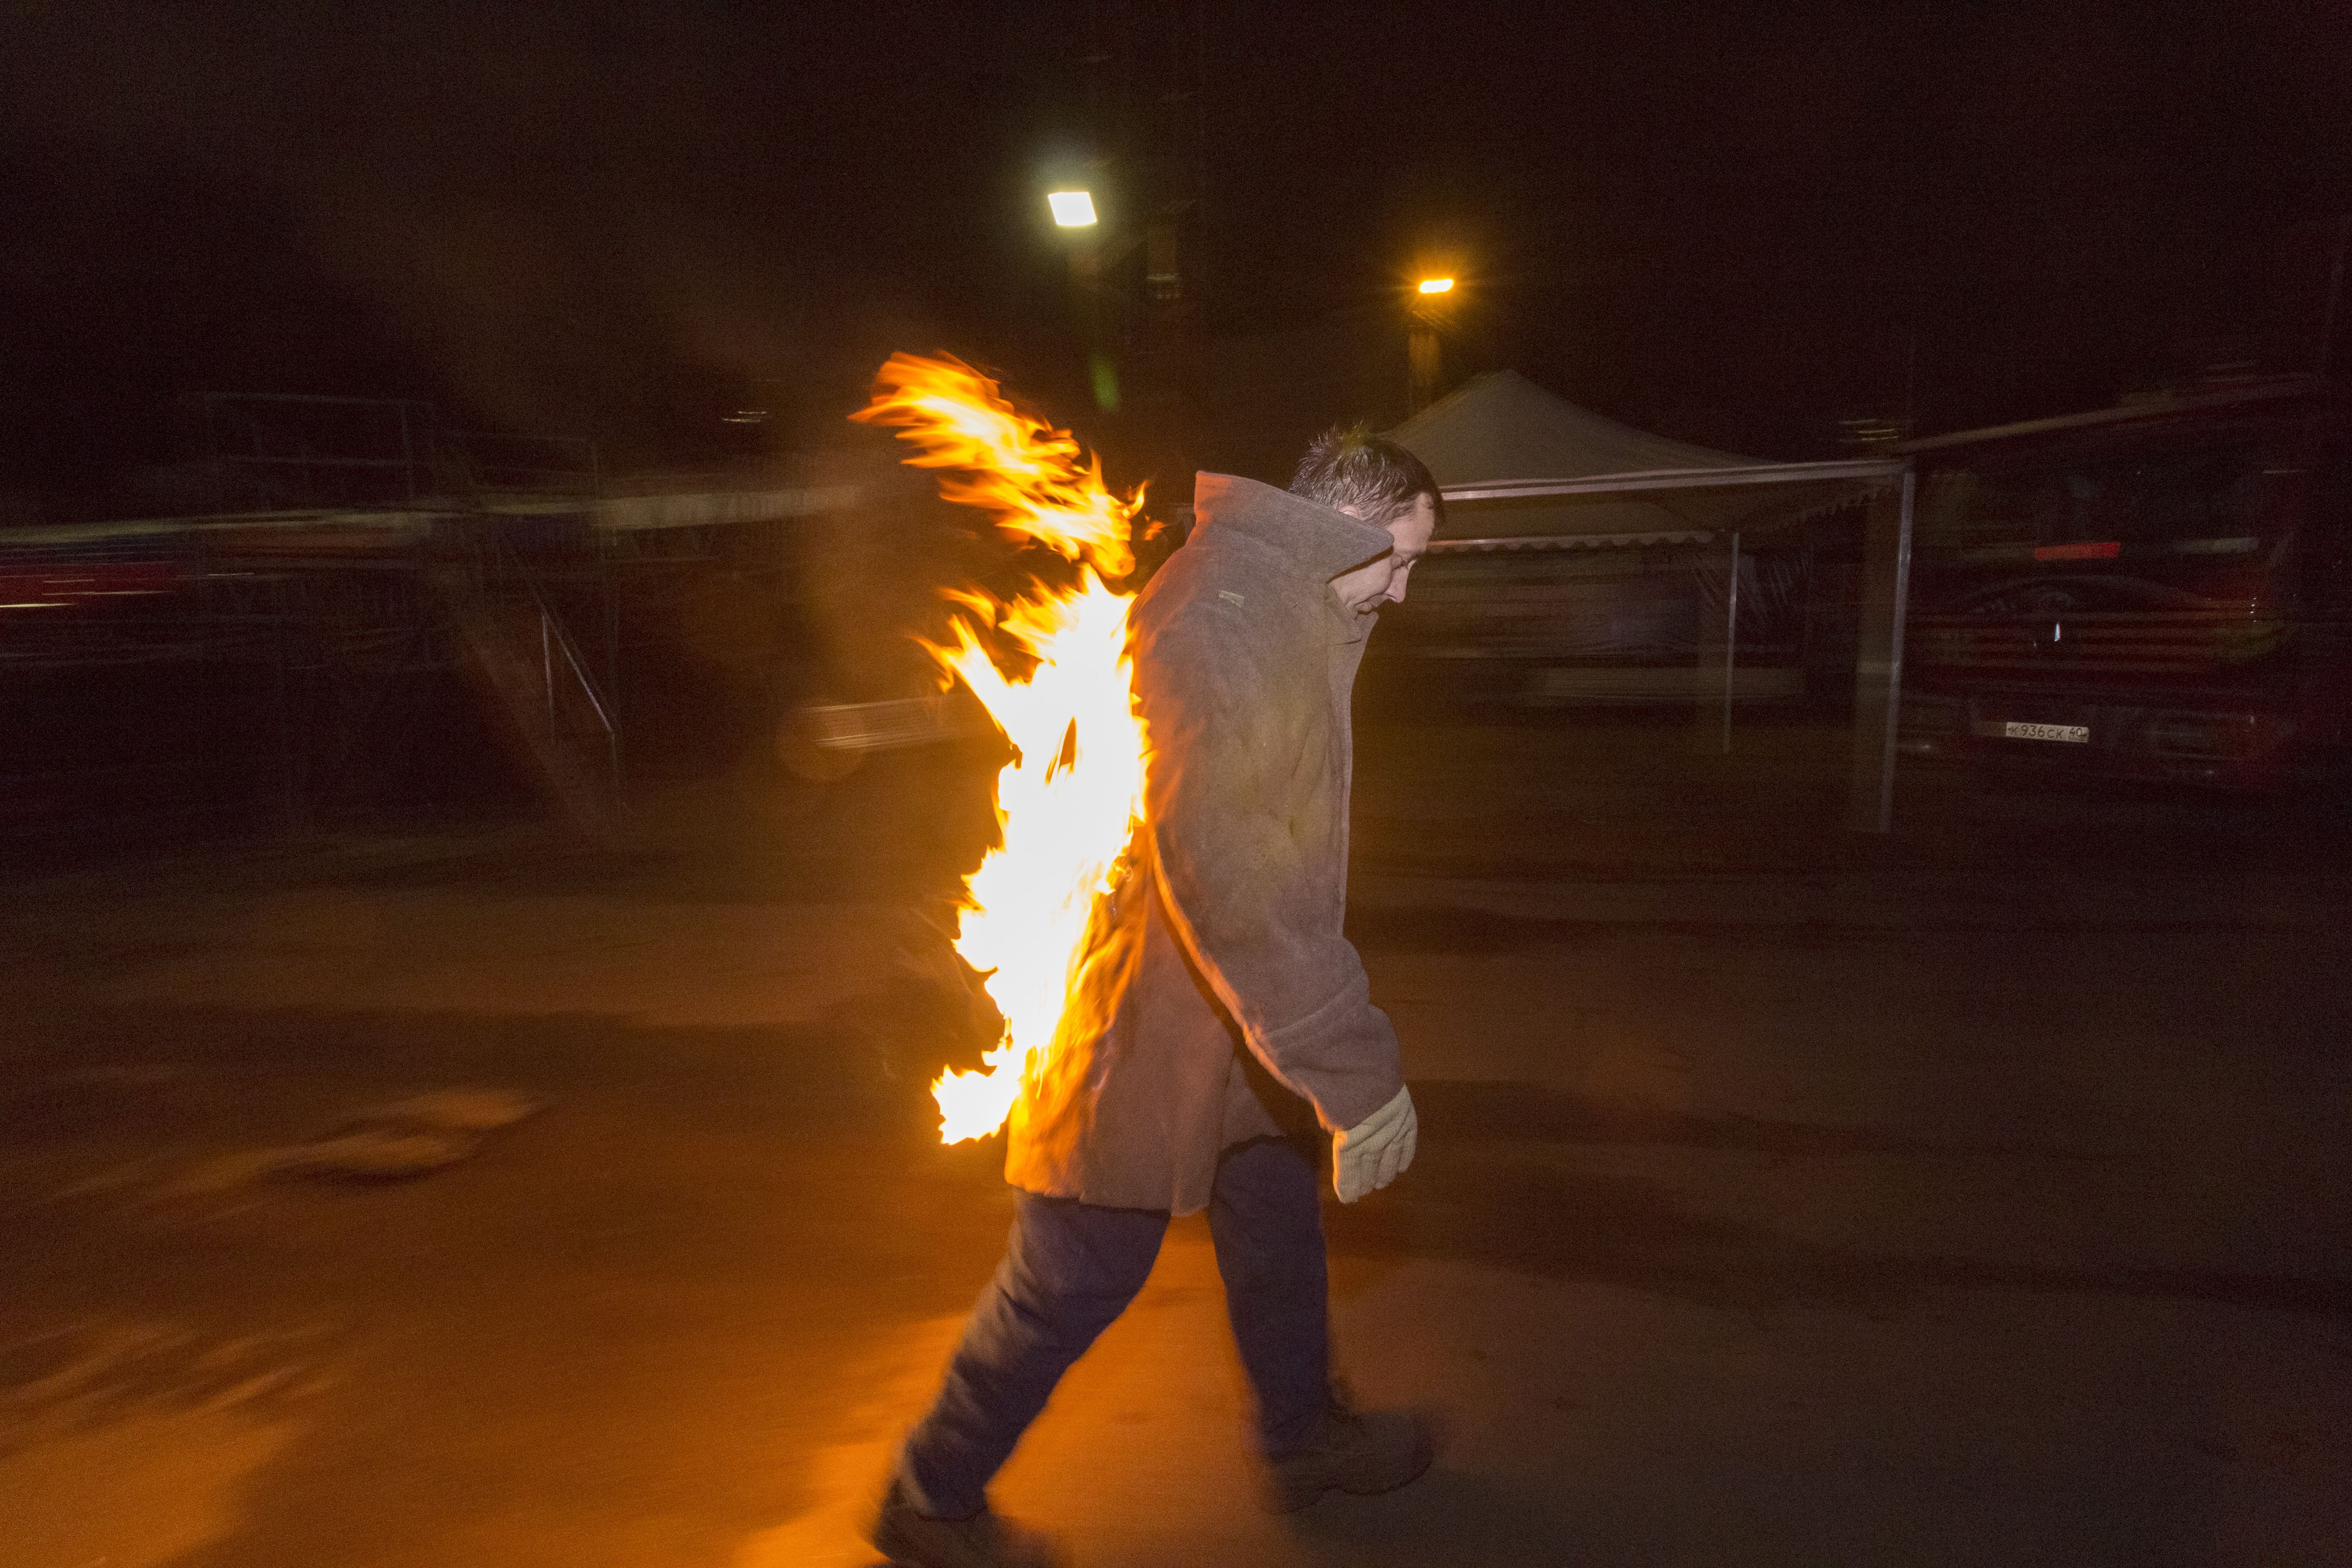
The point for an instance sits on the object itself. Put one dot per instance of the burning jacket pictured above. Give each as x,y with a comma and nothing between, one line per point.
1218,999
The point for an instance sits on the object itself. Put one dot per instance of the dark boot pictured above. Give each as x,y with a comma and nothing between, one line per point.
1375,1452
986,1540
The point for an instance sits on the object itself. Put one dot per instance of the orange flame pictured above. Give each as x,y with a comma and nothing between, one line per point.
1033,479
1067,802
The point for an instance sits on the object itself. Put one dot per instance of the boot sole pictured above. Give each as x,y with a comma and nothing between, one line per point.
888,1537
1281,1498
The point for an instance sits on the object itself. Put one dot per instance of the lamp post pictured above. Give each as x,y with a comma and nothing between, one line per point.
1073,207
1422,375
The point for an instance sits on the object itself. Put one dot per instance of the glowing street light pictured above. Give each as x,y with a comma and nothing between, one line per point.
1427,314
1071,209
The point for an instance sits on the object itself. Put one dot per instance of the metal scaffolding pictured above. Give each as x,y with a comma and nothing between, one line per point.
358,550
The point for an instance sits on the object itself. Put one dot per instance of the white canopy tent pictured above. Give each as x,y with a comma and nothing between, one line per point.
1523,469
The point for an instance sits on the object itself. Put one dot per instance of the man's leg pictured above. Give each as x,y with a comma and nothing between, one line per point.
1265,1217
1070,1269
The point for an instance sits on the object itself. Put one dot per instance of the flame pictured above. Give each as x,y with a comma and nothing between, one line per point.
1067,802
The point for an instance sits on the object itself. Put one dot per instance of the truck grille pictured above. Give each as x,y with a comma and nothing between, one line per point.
2130,642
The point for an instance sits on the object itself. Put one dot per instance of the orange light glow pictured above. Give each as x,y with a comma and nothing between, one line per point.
1437,285
1067,802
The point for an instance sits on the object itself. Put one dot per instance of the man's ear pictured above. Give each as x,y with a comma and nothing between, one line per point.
1355,512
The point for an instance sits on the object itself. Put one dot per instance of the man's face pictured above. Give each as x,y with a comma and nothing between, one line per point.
1381,581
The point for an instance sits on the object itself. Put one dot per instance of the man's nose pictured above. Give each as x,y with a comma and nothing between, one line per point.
1395,595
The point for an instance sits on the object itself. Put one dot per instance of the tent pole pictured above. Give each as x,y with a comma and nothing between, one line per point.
1730,640
1878,670
1895,659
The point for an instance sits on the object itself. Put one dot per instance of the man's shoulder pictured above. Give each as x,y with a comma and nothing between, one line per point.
1185,615
1191,586
1218,582
1199,632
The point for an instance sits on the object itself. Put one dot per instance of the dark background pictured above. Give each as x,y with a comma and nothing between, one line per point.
1734,223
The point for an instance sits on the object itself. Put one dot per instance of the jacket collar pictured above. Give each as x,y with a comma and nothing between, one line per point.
1321,540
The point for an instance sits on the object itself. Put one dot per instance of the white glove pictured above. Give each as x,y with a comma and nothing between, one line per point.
1368,1157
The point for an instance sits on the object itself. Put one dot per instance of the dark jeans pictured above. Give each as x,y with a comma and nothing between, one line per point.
1069,1269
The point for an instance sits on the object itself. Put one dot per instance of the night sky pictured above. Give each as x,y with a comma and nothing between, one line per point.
1730,223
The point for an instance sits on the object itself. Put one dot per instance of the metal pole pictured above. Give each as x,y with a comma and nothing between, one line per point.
407,454
2334,296
213,453
1878,668
1421,366
612,605
1730,640
288,598
1894,720
547,669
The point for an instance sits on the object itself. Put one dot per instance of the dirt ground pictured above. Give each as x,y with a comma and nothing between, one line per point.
1975,1196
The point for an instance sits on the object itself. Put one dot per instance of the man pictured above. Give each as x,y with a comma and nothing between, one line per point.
1239,1023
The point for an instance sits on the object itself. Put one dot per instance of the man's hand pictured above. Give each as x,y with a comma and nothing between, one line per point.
1368,1157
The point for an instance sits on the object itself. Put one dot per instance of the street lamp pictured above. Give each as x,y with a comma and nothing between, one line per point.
1422,374
1071,209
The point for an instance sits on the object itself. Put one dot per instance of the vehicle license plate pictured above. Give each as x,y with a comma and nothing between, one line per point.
2080,734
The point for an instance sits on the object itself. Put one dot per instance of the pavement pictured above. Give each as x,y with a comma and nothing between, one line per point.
1785,1196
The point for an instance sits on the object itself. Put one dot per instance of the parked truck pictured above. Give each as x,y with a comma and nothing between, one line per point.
2161,591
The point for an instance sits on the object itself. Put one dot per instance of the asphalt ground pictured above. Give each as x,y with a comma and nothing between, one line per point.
1973,1196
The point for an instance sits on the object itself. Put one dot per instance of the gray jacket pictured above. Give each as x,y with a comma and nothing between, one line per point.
1218,999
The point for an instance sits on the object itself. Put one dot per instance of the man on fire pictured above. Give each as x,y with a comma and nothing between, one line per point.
1242,1027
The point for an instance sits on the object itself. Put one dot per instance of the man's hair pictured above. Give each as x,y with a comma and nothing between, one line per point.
1347,465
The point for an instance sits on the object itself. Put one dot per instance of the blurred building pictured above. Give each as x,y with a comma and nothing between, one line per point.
378,616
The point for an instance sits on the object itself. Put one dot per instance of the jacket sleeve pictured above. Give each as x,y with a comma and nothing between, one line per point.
1242,895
